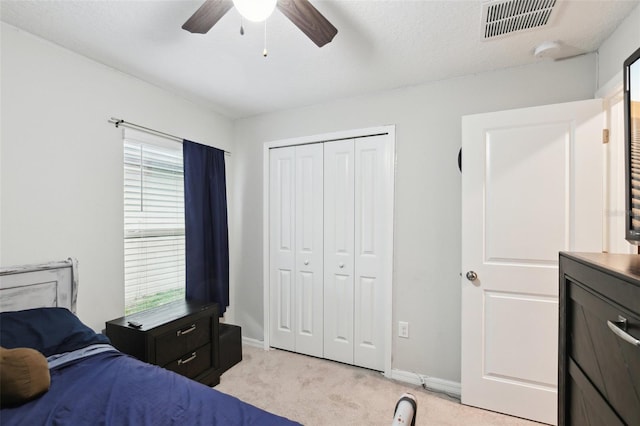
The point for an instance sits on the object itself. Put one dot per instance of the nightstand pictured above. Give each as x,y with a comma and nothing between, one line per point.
180,336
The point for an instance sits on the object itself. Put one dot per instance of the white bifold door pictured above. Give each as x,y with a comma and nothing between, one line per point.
296,248
331,239
358,248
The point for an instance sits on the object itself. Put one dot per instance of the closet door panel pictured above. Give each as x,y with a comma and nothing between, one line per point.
373,247
282,247
309,249
339,244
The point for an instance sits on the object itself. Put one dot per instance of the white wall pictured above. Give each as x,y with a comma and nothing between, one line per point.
61,171
427,243
622,43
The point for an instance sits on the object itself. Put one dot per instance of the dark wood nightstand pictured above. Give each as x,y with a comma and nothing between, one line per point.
180,336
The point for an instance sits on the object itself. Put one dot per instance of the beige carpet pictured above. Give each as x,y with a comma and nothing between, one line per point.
318,392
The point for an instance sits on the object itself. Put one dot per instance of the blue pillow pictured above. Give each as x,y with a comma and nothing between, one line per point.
47,330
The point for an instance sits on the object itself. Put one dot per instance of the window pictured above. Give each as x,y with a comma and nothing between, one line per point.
154,253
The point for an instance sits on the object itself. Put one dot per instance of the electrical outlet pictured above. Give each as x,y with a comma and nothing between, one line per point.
403,329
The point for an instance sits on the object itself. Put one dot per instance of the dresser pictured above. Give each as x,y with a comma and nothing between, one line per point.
599,339
180,336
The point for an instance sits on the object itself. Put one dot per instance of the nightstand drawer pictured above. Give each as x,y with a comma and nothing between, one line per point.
192,363
182,336
611,364
182,340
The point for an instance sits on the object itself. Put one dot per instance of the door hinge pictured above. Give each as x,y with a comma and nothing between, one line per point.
605,136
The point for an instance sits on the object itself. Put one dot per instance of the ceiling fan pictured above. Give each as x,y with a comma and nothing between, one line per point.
300,12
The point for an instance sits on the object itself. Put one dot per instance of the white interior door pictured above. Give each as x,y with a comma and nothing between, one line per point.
296,248
309,249
373,248
338,248
358,249
329,247
282,246
531,186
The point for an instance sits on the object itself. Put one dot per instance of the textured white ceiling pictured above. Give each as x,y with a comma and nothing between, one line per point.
380,45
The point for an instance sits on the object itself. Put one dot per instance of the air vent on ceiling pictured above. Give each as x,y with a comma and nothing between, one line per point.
503,17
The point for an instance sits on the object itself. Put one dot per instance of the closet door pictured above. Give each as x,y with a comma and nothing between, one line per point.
373,247
309,250
358,215
282,247
331,245
296,248
338,250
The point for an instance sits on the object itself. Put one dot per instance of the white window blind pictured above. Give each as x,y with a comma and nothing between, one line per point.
154,253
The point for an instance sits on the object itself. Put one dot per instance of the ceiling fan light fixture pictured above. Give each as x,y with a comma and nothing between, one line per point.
255,10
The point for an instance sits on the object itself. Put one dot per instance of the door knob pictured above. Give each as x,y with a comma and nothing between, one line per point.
341,265
472,276
306,262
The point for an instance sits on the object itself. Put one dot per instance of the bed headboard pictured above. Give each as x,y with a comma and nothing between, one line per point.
53,284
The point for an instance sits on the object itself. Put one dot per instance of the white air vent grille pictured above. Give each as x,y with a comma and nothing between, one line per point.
507,16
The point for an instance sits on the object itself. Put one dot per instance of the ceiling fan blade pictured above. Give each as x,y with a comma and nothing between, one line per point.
309,20
207,15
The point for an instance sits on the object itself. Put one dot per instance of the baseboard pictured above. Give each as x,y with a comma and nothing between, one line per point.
431,383
253,342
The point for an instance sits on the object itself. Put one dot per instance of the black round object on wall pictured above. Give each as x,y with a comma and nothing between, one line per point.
460,160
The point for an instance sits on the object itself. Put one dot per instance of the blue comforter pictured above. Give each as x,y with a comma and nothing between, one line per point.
111,388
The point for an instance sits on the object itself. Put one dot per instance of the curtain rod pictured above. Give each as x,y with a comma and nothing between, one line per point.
119,122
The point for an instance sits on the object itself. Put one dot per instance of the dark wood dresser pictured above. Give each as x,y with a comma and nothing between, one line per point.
599,340
180,336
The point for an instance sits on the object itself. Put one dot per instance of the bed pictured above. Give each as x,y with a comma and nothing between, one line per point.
91,383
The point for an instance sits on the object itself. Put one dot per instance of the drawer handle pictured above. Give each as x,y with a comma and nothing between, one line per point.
186,331
619,328
188,360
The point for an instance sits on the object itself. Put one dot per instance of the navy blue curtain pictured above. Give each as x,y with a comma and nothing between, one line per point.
206,230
